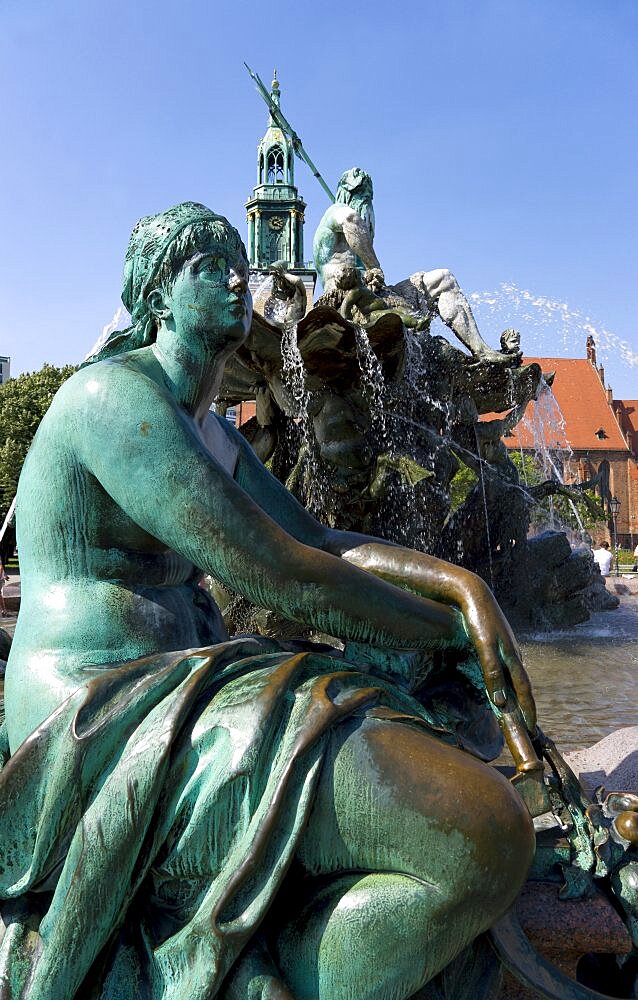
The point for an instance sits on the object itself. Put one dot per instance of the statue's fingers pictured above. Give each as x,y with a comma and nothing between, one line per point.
523,689
494,677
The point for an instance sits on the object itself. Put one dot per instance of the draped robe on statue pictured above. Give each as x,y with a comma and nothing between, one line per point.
153,807
190,775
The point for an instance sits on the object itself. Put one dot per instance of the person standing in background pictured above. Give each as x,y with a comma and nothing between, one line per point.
603,558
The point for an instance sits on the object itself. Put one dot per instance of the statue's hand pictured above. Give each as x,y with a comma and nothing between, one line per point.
374,279
498,652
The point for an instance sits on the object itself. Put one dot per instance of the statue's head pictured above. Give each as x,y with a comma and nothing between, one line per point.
280,284
159,248
355,189
278,270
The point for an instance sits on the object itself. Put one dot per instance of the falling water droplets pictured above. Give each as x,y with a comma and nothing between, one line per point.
261,291
488,538
294,377
545,425
372,384
294,372
549,326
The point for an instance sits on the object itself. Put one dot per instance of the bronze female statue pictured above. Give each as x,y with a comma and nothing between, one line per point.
184,815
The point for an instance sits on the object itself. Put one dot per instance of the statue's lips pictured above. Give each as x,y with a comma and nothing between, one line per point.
238,305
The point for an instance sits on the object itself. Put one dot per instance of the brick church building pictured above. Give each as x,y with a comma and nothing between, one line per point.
587,432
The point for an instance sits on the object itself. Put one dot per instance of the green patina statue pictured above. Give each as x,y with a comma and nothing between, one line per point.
354,282
188,816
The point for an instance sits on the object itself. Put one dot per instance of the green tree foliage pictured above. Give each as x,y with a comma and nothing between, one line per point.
23,402
461,486
546,512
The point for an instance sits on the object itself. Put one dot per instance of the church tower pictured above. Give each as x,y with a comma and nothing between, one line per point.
276,211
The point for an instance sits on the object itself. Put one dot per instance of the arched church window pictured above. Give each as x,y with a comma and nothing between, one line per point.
261,169
276,165
275,246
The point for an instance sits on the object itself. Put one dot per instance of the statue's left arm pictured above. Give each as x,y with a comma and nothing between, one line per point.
422,574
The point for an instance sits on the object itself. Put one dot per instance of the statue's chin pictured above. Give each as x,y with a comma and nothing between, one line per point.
232,338
235,328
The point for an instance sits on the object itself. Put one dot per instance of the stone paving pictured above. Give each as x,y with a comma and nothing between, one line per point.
612,762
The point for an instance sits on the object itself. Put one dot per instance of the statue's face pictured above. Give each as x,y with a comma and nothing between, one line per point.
210,296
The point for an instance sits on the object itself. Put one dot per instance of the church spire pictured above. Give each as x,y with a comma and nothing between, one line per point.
275,210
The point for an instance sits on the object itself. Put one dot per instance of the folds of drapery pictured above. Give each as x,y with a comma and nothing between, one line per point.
147,825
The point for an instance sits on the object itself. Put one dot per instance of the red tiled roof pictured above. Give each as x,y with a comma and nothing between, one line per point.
588,422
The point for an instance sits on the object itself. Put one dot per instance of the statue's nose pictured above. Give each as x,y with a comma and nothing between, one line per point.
238,280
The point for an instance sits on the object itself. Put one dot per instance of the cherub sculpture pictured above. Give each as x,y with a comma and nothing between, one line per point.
283,301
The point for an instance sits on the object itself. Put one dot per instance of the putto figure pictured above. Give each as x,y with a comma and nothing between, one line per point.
354,282
186,816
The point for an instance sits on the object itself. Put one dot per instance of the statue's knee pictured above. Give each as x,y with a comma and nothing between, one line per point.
363,937
449,282
438,282
506,840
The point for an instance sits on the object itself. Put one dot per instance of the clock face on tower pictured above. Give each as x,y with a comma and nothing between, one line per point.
276,223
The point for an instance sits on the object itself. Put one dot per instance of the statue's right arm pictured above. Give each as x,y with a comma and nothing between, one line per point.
422,574
145,452
357,235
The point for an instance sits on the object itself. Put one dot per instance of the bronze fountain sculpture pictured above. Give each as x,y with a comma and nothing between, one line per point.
166,790
387,414
185,814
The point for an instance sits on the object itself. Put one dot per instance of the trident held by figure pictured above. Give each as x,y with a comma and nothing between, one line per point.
286,127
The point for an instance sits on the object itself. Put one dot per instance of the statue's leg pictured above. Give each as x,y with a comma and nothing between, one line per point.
443,293
449,843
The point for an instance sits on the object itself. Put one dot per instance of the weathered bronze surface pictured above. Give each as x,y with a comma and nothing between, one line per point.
183,815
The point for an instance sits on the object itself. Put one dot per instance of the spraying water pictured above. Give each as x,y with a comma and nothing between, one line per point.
550,327
121,319
261,291
293,372
294,375
553,453
487,517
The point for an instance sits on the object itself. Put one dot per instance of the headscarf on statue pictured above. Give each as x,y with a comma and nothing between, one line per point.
158,248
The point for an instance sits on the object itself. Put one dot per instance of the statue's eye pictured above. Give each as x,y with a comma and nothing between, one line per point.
215,267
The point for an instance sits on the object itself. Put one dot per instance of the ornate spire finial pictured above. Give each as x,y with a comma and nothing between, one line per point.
275,81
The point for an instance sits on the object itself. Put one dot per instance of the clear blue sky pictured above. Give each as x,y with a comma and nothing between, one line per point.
501,136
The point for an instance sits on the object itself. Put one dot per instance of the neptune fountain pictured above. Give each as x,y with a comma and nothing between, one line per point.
189,814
